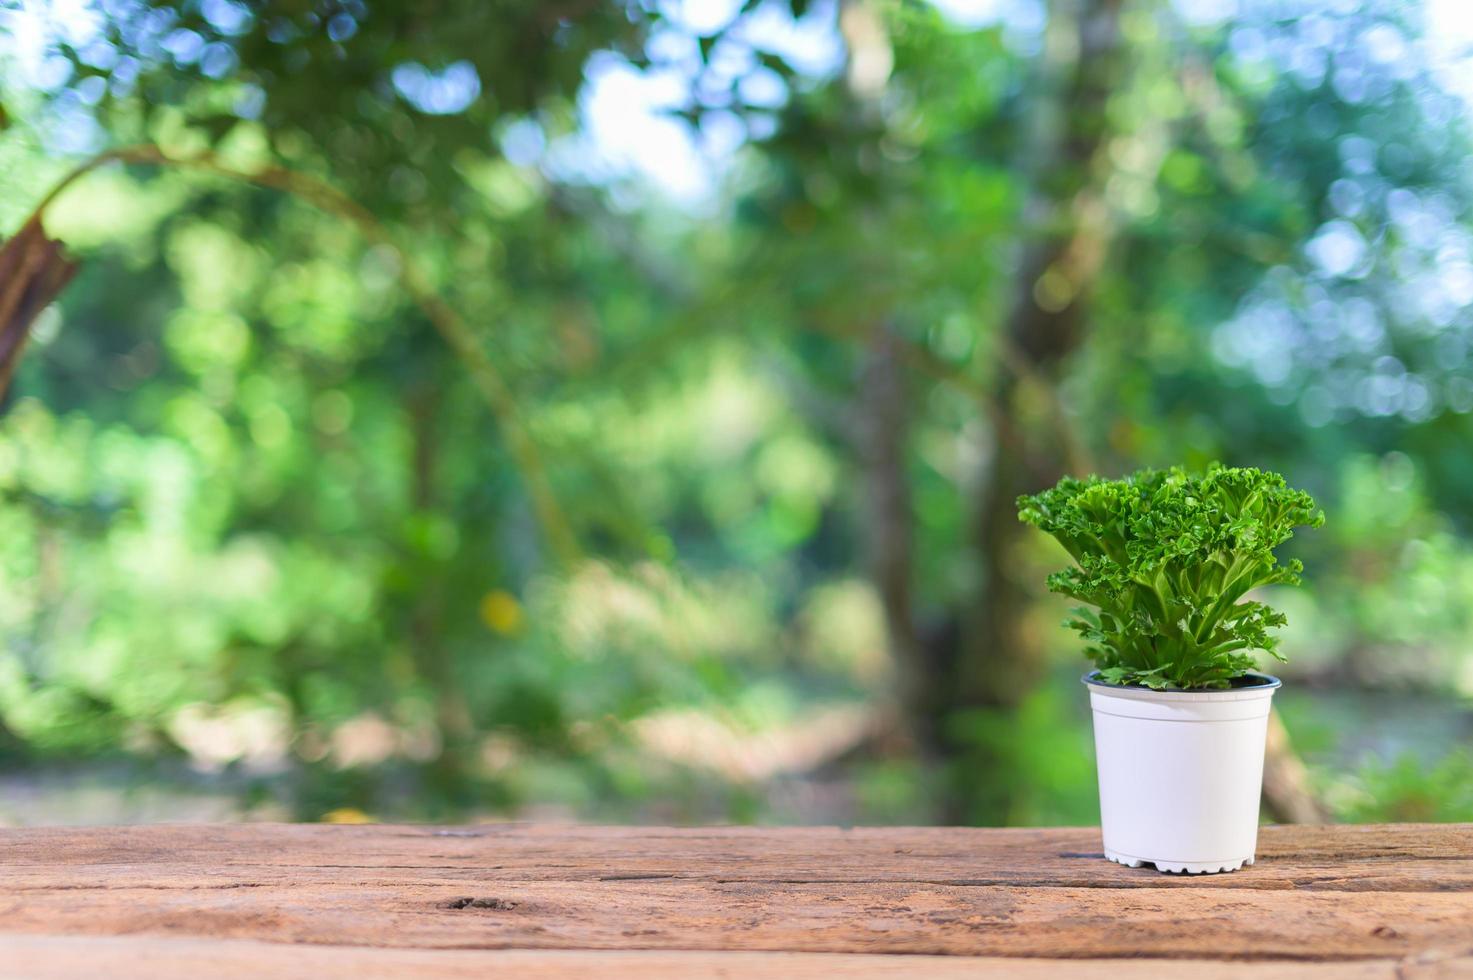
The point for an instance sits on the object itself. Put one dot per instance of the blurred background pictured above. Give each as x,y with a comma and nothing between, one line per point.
635,437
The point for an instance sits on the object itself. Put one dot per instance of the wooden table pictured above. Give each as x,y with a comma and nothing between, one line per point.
274,901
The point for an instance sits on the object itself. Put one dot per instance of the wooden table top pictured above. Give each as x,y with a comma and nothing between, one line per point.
272,901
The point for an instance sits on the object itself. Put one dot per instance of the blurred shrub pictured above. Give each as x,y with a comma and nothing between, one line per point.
1390,597
1410,790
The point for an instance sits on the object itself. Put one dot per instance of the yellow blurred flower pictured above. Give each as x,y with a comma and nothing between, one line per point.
501,612
347,814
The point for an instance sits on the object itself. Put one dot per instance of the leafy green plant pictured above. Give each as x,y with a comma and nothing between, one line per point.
1167,557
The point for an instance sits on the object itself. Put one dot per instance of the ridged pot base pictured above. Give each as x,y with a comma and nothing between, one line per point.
1188,867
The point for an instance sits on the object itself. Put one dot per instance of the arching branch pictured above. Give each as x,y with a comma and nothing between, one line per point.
33,271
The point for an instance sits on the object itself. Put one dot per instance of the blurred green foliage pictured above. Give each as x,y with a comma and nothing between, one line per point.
260,535
1411,791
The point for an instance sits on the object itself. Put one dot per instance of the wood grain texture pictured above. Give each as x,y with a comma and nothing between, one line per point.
163,958
1395,900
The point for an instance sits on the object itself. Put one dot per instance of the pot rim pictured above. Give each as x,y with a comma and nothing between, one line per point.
1266,682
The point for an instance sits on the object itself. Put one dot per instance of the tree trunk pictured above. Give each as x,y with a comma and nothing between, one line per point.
1287,796
1046,324
994,660
431,657
881,435
986,666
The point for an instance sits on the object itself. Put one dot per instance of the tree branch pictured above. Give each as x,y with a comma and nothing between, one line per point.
453,329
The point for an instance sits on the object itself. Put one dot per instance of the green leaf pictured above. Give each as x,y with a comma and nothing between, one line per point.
1167,557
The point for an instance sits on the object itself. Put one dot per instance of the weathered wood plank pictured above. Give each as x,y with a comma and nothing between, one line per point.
1333,894
1405,857
166,958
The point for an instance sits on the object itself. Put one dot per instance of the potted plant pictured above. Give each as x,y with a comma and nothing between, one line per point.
1166,559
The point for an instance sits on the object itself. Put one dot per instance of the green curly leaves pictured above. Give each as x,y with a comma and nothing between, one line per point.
1167,558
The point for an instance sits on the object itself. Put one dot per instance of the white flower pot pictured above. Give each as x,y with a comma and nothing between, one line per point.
1180,774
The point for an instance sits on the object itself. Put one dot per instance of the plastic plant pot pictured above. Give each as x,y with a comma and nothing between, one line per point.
1181,773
